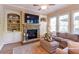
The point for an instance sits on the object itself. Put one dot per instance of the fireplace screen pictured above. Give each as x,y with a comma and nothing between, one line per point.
32,33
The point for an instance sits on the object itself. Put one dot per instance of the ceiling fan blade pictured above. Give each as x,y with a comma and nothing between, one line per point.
35,5
51,4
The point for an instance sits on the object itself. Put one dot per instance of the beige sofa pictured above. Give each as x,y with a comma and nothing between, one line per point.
71,39
73,47
68,36
49,46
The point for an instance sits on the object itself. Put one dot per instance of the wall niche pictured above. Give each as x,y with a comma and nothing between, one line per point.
13,22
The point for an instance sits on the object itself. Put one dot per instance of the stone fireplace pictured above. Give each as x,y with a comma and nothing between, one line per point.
31,30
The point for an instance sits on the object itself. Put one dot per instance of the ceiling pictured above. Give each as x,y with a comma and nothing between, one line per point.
35,9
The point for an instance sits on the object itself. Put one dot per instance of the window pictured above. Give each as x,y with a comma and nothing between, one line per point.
76,22
53,24
63,23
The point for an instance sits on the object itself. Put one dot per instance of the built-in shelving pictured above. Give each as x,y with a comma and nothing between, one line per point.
13,22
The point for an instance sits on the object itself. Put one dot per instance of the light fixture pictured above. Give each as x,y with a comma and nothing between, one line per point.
43,7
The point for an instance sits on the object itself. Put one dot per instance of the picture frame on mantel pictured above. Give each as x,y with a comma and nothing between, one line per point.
43,19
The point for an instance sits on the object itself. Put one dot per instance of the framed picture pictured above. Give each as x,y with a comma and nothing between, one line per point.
43,19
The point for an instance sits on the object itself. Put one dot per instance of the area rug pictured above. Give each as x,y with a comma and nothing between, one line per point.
33,48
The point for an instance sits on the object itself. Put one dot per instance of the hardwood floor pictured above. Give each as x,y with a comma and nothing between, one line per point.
35,48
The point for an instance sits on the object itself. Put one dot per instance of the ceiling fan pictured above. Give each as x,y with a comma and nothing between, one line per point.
43,6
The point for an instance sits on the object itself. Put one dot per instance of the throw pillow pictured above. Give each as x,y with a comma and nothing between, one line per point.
48,37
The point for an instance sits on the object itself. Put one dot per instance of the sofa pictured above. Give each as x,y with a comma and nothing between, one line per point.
73,47
68,36
49,46
71,39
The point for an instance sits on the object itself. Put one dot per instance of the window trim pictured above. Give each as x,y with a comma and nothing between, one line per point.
73,12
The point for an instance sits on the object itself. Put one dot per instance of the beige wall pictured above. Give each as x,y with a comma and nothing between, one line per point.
1,26
43,25
4,35
1,20
66,10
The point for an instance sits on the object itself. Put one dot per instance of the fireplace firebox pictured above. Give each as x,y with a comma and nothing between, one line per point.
32,33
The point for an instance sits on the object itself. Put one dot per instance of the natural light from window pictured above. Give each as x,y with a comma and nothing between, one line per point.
76,22
63,23
53,24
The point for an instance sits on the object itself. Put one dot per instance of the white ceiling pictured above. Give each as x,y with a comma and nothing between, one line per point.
34,9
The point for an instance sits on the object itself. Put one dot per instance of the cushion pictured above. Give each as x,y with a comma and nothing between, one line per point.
72,44
73,50
63,44
73,47
48,37
72,37
59,39
63,35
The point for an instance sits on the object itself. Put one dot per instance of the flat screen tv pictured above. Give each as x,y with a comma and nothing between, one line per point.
30,18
